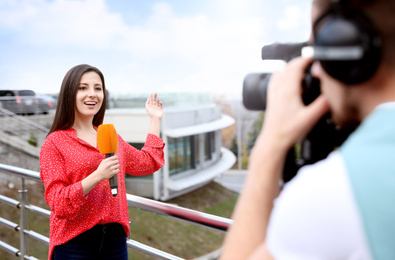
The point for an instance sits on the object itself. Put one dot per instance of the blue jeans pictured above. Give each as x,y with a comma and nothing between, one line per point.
102,242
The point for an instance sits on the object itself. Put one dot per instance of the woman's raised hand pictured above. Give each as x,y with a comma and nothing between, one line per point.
154,106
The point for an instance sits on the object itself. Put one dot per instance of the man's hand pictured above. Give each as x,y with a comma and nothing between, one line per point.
287,119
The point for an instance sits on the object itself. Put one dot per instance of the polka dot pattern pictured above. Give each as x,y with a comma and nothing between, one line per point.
65,160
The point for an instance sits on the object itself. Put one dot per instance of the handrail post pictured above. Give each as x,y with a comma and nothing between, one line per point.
24,241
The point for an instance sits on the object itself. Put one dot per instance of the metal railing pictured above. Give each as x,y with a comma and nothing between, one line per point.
160,208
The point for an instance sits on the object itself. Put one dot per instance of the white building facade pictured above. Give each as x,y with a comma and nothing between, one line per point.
193,152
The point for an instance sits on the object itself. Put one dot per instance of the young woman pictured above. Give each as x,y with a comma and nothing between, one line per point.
87,221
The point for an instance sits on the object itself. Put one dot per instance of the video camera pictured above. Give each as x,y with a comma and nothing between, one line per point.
323,138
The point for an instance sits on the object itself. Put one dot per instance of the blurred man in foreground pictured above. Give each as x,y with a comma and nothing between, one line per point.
340,207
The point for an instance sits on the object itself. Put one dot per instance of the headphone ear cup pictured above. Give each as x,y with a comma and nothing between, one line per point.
344,29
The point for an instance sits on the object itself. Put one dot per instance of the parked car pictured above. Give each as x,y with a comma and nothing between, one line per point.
22,102
48,101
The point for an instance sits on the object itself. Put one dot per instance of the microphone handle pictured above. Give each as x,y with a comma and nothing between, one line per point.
113,180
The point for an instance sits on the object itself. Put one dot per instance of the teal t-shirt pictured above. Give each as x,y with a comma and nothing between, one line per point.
369,157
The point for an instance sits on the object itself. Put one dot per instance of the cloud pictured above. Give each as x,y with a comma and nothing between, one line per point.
165,51
195,52
64,23
294,16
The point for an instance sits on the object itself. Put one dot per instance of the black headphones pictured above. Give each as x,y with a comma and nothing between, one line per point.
346,44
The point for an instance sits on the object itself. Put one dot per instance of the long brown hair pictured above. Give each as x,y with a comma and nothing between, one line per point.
65,109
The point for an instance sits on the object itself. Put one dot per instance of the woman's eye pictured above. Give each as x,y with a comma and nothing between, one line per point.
98,88
81,88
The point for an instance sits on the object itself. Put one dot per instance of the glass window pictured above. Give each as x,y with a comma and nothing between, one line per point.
195,150
181,154
209,145
139,146
212,137
26,93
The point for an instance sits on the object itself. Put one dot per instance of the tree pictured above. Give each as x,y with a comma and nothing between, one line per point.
255,130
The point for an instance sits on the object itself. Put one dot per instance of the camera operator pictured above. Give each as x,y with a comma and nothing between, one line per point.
340,207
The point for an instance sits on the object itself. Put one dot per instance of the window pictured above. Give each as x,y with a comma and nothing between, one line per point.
209,145
137,145
148,177
29,93
182,155
5,93
196,150
184,152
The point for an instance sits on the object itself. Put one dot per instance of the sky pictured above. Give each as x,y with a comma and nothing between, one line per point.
145,45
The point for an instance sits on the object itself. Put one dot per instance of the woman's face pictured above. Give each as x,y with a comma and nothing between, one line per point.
90,95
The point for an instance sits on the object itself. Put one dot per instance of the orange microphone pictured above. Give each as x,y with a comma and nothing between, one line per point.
107,142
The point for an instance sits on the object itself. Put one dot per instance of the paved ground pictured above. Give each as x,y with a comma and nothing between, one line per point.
232,180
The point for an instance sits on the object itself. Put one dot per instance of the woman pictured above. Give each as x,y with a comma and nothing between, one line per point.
86,221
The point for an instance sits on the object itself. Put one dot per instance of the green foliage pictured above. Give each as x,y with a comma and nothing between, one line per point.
255,130
234,146
32,139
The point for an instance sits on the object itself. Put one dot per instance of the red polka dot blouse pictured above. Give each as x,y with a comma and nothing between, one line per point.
65,160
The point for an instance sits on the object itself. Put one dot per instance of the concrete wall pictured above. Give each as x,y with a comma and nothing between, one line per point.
17,158
14,157
131,125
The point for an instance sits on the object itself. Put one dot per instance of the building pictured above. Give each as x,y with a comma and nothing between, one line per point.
191,128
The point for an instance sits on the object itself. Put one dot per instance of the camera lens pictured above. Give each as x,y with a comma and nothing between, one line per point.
254,91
